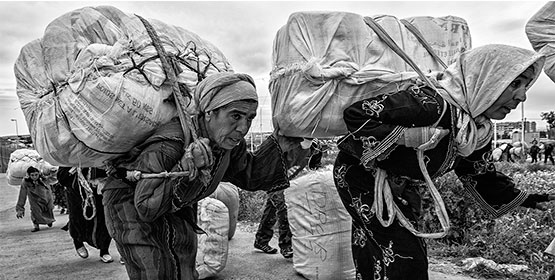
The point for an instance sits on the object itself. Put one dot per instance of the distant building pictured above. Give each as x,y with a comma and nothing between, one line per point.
505,129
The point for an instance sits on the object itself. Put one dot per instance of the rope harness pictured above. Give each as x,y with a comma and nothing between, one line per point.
171,69
382,189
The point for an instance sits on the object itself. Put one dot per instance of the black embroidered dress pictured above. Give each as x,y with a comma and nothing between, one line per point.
376,124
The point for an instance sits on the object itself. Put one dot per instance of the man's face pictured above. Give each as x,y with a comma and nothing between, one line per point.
228,125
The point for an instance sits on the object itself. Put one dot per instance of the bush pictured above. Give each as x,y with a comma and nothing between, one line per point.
519,237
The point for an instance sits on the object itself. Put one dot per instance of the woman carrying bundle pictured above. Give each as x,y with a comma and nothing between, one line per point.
399,141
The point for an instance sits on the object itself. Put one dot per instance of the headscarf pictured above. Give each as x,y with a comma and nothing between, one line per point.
475,81
222,88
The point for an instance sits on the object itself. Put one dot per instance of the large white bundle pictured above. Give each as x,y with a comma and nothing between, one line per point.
22,159
321,228
540,30
92,87
325,61
213,218
229,194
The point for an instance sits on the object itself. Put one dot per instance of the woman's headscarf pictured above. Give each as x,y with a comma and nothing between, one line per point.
222,88
475,81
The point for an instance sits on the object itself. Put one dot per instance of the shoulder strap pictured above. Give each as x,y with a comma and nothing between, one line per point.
423,41
382,34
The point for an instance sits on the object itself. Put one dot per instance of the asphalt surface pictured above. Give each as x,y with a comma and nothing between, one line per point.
49,253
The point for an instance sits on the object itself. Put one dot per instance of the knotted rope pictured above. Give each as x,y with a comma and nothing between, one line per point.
171,67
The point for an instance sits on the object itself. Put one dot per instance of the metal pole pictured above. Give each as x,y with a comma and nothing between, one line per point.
16,129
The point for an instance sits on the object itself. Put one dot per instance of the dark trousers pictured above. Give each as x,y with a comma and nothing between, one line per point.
274,210
379,252
550,157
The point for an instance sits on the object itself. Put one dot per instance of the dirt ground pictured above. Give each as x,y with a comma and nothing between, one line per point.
49,253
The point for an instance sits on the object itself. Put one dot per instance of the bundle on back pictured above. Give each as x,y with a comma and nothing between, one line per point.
540,30
93,86
325,61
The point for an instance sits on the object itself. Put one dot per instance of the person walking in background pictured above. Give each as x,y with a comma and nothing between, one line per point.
534,151
40,200
400,141
86,212
60,197
275,209
548,153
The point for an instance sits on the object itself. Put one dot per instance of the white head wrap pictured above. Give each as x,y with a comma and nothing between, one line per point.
475,81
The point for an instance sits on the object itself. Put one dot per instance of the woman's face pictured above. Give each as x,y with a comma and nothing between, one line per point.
228,125
511,97
34,176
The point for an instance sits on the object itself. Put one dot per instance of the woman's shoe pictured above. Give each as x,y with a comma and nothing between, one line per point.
50,225
35,229
82,252
106,258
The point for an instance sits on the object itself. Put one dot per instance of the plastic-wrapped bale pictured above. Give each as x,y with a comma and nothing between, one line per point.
325,61
321,228
22,159
93,87
229,194
213,246
540,30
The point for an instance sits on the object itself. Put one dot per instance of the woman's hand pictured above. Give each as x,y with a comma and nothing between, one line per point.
19,214
422,138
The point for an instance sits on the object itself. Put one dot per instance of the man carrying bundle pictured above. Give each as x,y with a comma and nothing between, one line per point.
153,220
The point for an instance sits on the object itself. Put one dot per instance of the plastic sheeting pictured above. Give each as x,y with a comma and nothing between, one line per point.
325,61
212,246
229,194
92,87
320,226
540,30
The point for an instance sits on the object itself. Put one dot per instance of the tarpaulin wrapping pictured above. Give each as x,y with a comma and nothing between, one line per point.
540,30
325,61
93,87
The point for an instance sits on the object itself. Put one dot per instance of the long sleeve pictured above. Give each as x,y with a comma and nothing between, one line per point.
264,169
22,199
494,191
378,122
153,196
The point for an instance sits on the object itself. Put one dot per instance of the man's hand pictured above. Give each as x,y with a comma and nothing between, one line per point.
19,214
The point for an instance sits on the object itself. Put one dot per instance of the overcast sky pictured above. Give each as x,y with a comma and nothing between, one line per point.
244,32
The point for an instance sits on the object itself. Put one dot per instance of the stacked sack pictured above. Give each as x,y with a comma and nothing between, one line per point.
22,159
325,61
320,227
93,86
217,216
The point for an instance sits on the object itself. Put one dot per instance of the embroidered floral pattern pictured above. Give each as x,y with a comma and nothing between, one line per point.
373,107
339,175
363,210
359,238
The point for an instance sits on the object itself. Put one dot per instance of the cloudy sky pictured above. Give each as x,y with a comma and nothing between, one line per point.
244,32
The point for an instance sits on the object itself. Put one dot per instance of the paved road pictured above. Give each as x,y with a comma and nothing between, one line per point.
49,253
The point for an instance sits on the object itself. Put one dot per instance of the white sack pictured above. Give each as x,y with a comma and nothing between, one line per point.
83,100
325,61
321,228
212,246
229,194
22,159
540,30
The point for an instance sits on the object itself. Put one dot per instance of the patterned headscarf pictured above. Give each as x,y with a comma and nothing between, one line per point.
475,81
222,88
